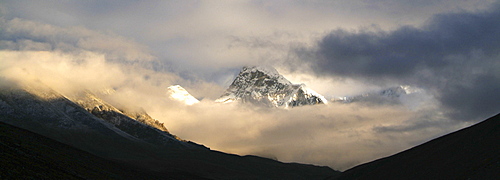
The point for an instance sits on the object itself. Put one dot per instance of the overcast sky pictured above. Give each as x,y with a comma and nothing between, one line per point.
448,48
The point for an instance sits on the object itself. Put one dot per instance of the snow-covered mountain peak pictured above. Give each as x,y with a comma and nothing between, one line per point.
393,91
388,94
270,71
261,72
400,90
311,92
410,89
178,93
265,86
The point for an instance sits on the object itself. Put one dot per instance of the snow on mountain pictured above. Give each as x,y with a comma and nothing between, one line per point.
389,94
265,86
42,110
178,93
107,112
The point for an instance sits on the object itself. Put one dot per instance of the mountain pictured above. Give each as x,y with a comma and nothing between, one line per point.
138,124
389,95
131,139
470,153
265,86
180,94
85,121
27,155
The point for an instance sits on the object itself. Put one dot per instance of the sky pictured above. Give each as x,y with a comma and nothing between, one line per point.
448,48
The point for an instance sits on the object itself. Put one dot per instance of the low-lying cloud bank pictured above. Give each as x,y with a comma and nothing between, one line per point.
337,135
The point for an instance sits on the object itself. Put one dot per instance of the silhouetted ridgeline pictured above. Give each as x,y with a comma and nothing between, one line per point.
470,153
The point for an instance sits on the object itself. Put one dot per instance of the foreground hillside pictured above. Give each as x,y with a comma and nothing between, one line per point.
27,155
470,153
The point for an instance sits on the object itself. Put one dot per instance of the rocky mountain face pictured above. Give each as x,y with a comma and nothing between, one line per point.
264,86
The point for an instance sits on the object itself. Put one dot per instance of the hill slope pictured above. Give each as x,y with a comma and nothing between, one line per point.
89,124
27,155
470,153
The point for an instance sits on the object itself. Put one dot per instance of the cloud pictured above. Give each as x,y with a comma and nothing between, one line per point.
73,72
452,55
173,30
337,135
21,34
71,59
471,100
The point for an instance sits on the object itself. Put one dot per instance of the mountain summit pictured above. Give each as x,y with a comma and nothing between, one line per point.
265,86
178,93
389,95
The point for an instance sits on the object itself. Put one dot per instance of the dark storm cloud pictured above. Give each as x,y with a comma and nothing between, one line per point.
480,98
455,55
403,51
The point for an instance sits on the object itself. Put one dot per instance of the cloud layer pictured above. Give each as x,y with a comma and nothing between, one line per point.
228,34
454,55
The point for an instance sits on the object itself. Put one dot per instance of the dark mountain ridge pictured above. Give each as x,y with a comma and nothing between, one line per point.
27,155
470,153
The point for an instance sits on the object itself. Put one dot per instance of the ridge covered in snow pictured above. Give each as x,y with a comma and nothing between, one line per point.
178,93
389,93
265,86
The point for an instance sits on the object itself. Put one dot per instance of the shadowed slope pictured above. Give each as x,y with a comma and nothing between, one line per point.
27,155
470,153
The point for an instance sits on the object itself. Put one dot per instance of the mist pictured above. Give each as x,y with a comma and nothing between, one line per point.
337,135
